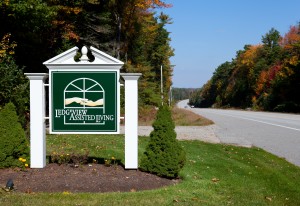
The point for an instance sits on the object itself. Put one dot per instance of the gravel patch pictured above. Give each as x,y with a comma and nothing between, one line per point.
203,133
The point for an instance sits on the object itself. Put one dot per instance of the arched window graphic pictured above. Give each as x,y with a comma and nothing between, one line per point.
84,93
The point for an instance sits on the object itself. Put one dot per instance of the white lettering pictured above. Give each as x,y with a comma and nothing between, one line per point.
100,118
72,112
82,115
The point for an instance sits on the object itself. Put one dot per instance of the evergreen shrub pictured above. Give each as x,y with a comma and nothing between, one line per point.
164,155
13,143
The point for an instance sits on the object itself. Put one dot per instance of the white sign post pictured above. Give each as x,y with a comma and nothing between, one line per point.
37,120
131,119
86,79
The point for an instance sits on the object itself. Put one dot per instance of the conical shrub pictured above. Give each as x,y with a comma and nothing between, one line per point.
13,143
163,156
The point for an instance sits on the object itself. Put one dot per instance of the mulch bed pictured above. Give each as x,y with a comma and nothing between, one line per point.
85,178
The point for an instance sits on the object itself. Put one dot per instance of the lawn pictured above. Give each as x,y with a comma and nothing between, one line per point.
214,174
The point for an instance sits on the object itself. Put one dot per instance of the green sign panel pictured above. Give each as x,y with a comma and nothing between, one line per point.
84,101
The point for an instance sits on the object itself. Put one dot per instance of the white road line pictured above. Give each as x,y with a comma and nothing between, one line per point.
254,120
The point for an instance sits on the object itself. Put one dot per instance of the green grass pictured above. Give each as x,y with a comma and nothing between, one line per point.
214,174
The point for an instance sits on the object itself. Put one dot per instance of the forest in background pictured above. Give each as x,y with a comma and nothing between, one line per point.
33,31
265,76
182,93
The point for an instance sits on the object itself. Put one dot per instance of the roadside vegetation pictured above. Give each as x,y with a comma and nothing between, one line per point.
214,174
181,117
265,76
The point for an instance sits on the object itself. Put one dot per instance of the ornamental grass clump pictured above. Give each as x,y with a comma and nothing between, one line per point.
13,142
164,155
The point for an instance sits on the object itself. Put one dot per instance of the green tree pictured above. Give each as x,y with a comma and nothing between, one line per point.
196,99
220,81
207,95
160,54
14,88
14,85
29,22
271,46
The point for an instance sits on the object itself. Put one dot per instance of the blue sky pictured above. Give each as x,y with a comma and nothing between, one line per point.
206,33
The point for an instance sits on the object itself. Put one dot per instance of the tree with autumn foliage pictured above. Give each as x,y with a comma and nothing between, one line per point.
146,48
264,76
128,30
286,77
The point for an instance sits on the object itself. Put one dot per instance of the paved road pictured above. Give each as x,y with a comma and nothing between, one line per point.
277,133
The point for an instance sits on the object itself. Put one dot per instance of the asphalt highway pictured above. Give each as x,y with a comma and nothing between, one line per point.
278,133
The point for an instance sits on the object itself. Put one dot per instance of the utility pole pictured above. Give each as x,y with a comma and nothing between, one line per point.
170,99
170,92
161,85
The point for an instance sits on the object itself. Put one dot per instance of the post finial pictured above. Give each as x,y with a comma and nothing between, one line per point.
84,52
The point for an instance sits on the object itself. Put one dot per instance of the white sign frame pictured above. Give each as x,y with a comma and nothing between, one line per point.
66,62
